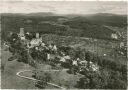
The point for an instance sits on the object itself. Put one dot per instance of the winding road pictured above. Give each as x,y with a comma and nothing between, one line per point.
18,74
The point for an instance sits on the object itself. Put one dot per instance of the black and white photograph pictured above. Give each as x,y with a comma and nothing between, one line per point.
63,44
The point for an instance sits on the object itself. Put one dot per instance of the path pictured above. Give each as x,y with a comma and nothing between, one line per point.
18,74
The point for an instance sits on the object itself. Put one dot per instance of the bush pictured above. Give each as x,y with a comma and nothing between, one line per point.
43,79
41,84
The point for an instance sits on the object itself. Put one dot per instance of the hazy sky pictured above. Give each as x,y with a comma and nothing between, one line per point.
61,7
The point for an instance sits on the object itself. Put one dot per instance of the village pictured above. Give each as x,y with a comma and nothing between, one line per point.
50,52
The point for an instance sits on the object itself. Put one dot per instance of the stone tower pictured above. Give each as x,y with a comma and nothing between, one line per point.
37,35
21,32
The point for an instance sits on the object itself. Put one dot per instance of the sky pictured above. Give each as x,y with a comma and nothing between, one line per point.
64,7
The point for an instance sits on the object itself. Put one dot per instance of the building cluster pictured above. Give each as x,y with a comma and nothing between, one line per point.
122,47
39,45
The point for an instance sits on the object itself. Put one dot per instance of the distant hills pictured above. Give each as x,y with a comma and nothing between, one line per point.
103,19
80,25
42,14
37,14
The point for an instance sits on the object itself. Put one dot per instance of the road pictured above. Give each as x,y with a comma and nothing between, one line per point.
22,76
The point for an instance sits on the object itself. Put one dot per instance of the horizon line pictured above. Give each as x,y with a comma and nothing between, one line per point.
60,14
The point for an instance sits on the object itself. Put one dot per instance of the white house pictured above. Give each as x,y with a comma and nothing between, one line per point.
22,37
62,59
35,42
114,36
121,44
83,62
67,57
27,33
43,44
74,63
55,48
94,66
48,56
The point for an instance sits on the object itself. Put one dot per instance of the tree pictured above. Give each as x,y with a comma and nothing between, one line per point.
42,80
104,79
88,59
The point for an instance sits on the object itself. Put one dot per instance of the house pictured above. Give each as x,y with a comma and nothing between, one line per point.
50,56
75,63
22,38
122,44
67,57
114,36
55,48
35,42
27,33
43,44
62,59
94,67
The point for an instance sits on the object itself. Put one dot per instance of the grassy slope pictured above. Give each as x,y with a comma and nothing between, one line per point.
9,80
61,77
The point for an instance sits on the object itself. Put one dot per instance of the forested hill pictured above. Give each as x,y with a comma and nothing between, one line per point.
77,25
103,19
